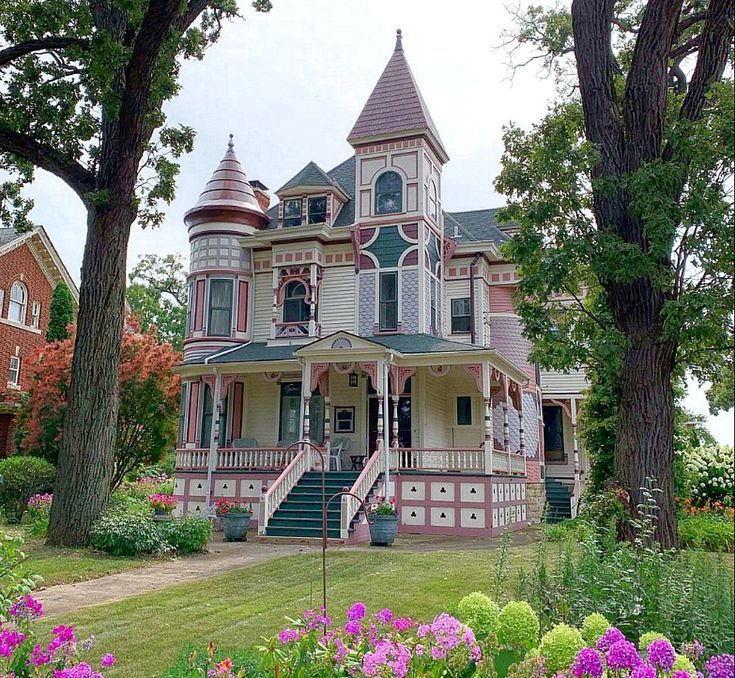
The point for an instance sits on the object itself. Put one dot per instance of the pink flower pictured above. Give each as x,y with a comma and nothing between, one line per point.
385,615
26,608
356,612
353,627
438,653
107,660
288,635
403,623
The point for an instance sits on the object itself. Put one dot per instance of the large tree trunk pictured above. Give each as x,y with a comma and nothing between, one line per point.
644,450
87,452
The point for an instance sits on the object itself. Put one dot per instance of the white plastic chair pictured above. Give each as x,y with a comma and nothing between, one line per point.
335,455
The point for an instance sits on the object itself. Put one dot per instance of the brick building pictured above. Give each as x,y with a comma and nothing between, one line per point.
30,268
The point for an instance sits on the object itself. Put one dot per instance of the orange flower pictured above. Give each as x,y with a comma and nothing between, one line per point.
224,667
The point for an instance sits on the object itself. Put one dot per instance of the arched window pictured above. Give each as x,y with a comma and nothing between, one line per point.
18,302
433,203
295,308
388,193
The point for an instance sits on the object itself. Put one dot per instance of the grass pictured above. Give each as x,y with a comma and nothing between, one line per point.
235,610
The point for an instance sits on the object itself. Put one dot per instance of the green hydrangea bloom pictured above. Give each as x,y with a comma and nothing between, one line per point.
593,626
480,613
519,625
560,646
647,638
683,663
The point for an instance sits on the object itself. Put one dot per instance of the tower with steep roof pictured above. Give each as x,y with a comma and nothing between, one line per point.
220,273
399,232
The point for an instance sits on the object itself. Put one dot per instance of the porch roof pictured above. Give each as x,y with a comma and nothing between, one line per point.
421,343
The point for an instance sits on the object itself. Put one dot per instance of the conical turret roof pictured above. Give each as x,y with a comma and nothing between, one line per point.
395,105
227,195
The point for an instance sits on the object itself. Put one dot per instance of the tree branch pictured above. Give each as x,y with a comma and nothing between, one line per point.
71,172
29,46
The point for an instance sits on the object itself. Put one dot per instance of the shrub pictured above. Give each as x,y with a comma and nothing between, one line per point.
567,529
560,646
480,613
710,472
709,532
593,626
648,637
122,532
22,478
190,534
14,582
39,511
518,625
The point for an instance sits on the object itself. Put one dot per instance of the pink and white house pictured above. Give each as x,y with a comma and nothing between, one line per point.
357,313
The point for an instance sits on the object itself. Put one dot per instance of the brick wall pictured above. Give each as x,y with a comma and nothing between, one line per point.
20,264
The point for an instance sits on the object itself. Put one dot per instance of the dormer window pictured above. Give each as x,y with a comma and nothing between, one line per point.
292,212
295,308
318,210
389,193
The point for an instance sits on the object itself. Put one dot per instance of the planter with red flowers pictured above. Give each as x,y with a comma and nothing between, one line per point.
234,516
383,522
162,505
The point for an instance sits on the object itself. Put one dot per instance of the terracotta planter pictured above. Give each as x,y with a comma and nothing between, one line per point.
235,526
383,529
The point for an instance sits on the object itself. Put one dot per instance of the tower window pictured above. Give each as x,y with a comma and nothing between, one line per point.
318,210
295,308
220,308
292,212
461,316
389,193
388,302
433,203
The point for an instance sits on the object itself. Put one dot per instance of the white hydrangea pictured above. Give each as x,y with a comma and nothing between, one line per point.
711,471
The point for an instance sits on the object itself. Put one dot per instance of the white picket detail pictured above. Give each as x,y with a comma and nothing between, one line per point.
361,488
276,493
441,459
192,459
255,458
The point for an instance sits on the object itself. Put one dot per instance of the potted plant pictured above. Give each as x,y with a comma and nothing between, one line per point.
235,519
383,522
162,505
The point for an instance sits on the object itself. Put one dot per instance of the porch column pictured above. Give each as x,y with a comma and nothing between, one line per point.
394,424
306,398
214,436
506,424
487,399
384,402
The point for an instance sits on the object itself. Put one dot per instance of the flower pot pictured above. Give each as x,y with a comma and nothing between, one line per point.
235,526
383,529
161,514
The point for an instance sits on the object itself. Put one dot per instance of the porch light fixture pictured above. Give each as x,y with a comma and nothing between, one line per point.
353,381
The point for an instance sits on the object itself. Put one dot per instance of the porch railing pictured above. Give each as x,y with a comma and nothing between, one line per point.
192,459
510,464
266,458
361,488
276,493
439,459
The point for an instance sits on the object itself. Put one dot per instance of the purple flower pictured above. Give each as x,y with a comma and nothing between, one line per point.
356,612
403,623
26,608
661,654
385,615
721,666
353,627
107,660
587,663
681,674
607,639
643,671
622,655
288,635
9,640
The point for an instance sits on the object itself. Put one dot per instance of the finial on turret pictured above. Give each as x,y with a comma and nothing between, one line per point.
399,39
231,142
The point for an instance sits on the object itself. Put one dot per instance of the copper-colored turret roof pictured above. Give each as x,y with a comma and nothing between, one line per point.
228,193
395,105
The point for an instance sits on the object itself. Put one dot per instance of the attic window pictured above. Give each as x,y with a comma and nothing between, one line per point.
292,212
318,210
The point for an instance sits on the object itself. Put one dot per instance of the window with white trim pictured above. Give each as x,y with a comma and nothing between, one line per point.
388,302
18,302
461,315
220,308
389,193
295,308
36,314
292,212
433,203
14,371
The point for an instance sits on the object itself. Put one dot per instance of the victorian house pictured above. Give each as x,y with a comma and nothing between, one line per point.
357,314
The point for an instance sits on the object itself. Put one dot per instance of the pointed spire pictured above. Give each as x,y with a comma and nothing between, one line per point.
228,191
396,106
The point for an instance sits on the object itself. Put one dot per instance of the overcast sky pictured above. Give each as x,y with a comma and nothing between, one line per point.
290,84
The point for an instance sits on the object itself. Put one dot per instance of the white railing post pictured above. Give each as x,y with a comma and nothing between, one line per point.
263,510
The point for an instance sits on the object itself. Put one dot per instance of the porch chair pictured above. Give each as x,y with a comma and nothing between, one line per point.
344,447
335,455
245,443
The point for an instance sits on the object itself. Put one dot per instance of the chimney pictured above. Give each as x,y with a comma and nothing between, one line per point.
261,194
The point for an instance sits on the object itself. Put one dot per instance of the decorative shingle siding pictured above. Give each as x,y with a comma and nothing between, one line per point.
427,303
530,425
410,301
507,338
367,303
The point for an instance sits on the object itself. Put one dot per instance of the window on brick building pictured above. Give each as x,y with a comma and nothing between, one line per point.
18,302
36,314
14,371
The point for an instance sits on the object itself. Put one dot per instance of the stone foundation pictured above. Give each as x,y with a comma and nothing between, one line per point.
536,499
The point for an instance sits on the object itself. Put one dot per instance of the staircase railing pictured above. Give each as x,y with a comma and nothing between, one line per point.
276,493
360,488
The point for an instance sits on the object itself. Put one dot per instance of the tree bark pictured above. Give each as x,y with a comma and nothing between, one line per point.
86,459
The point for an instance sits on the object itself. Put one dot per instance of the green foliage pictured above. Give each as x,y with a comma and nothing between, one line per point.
157,296
480,613
190,534
648,637
14,583
22,478
707,531
196,661
128,532
518,625
61,313
559,647
566,529
710,474
593,626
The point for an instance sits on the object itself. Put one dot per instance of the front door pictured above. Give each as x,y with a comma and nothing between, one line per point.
404,419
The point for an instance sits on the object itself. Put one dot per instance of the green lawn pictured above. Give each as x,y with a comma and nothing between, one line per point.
234,610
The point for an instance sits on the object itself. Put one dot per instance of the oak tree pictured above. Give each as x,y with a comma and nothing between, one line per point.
622,196
82,85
